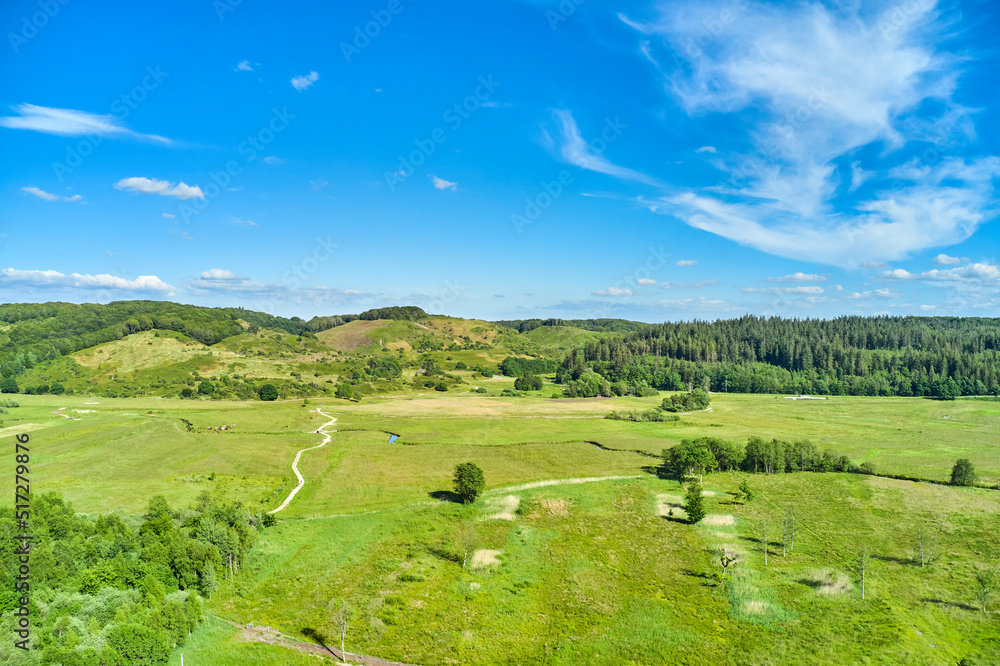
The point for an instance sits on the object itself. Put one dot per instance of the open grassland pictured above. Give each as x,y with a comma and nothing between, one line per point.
571,573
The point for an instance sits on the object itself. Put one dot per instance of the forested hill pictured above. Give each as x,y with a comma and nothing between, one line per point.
849,355
49,330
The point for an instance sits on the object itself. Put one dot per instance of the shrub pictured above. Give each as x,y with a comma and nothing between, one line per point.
9,385
441,386
268,392
187,392
528,382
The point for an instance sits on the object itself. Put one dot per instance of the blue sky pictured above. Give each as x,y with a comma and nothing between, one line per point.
502,159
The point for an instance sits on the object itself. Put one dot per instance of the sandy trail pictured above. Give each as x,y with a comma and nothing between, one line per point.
59,412
298,456
558,482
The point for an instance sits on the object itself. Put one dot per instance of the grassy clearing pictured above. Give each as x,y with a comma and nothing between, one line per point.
586,573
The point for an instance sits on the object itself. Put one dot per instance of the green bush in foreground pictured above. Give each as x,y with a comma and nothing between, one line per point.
268,392
469,482
694,503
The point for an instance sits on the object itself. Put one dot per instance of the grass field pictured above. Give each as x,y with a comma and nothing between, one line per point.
585,572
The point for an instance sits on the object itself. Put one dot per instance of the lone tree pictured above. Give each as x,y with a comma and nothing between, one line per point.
746,491
206,387
469,482
9,385
342,619
926,545
268,392
963,473
694,504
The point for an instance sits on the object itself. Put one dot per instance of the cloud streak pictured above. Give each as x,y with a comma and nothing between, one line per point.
69,122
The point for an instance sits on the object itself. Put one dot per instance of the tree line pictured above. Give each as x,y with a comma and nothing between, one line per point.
113,590
939,357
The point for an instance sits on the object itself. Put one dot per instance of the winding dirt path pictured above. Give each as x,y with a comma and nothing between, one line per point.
295,463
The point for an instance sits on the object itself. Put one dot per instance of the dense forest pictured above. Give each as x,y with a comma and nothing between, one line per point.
600,325
908,356
396,312
35,332
112,590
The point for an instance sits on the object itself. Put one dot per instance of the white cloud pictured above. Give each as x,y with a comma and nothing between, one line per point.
220,274
273,159
978,272
249,223
244,66
707,149
686,262
782,291
824,81
222,281
318,184
696,303
142,185
68,122
168,216
301,83
48,196
646,282
576,151
53,279
442,184
799,277
612,291
875,293
41,194
945,260
689,285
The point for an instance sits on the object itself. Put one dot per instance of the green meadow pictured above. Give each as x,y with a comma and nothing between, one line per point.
580,568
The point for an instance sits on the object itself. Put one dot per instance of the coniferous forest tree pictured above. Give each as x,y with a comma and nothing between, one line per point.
876,356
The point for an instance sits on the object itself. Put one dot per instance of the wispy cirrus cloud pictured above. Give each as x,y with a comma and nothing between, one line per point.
48,196
823,82
701,284
577,151
141,185
55,279
69,122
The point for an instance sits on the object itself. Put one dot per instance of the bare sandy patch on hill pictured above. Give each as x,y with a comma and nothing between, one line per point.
485,558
